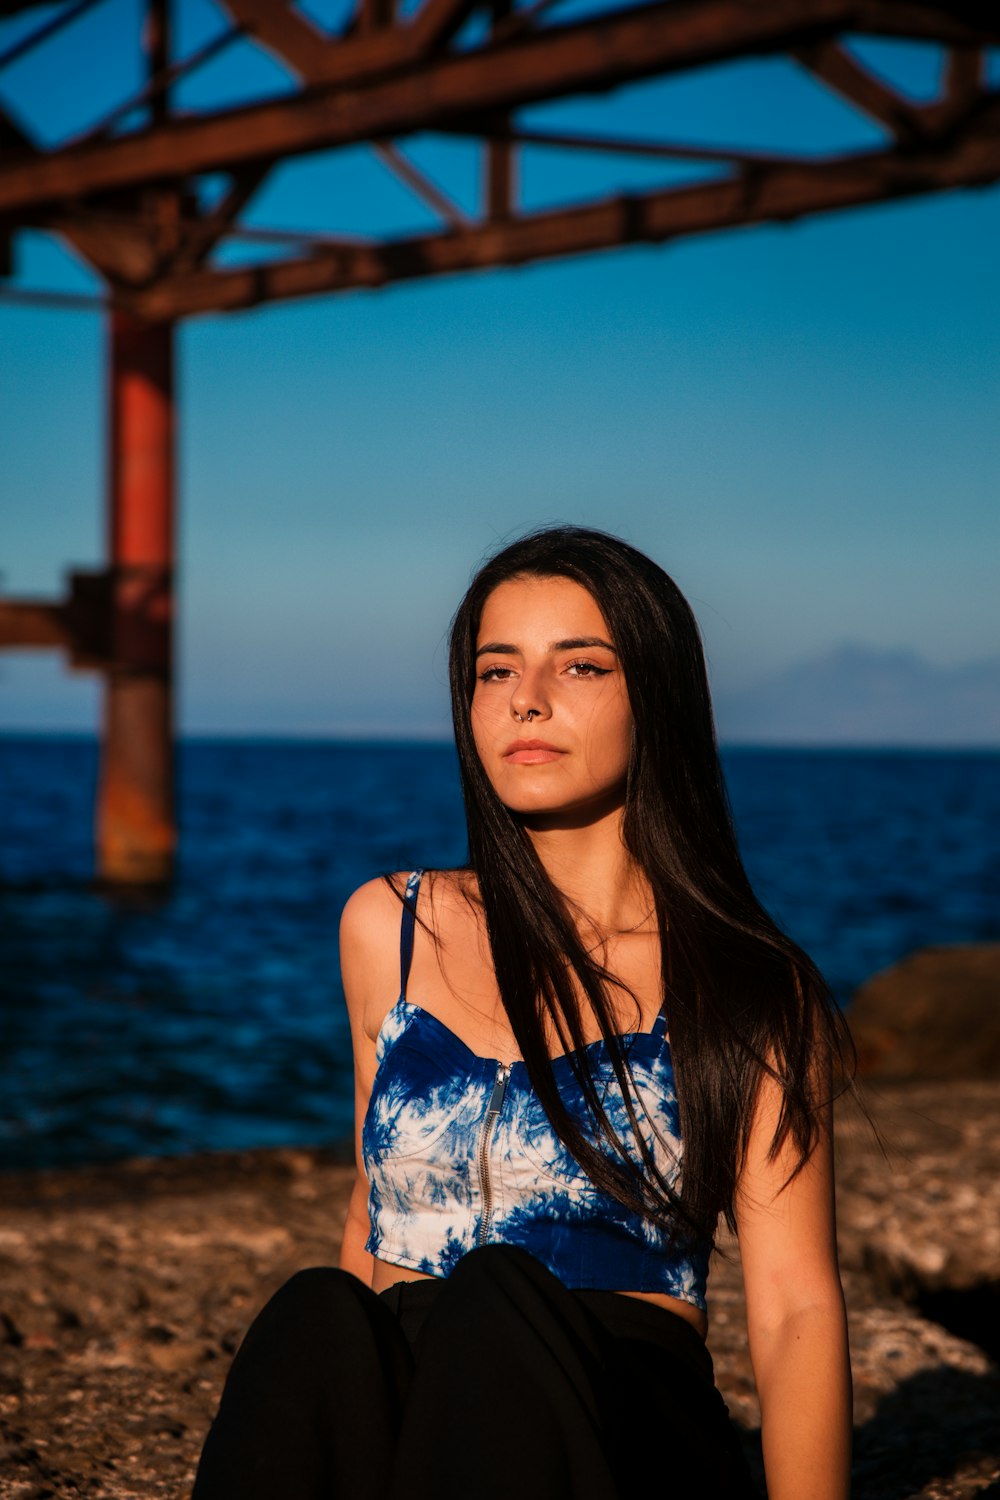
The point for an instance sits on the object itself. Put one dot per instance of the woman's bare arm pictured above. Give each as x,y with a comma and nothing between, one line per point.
795,1312
369,966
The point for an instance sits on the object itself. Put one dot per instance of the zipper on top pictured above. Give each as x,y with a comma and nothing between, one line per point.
485,1135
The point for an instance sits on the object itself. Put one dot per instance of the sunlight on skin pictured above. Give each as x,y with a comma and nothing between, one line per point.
545,650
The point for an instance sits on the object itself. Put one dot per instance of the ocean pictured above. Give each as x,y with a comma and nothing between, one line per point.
214,1019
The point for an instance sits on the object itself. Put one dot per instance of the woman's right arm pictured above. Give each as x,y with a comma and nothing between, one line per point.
796,1320
369,967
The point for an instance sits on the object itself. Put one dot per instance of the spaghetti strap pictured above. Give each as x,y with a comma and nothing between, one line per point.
407,924
660,1024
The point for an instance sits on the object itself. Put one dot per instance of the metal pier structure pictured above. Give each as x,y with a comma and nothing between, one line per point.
140,203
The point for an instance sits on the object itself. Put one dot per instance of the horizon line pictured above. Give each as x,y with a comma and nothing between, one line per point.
388,738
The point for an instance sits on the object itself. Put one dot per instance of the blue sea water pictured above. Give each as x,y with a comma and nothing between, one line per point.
215,1018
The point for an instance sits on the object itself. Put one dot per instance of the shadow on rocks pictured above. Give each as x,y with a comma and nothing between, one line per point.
970,1313
938,1425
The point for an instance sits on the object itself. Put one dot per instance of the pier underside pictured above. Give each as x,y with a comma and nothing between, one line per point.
153,199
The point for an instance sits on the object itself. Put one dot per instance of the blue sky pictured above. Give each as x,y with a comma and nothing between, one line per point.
799,423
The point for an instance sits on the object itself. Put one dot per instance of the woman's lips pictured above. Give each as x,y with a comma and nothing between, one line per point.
531,753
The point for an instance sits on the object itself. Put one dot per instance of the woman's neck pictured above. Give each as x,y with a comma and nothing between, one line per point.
591,867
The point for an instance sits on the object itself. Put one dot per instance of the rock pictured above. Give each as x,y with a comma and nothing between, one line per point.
922,1216
185,1354
926,1403
935,1015
164,1264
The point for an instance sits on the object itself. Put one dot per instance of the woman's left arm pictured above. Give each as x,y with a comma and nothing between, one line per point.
795,1310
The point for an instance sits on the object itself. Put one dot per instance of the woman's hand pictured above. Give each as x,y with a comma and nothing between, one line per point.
796,1320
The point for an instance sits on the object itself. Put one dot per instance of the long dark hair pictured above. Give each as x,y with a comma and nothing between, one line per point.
742,1000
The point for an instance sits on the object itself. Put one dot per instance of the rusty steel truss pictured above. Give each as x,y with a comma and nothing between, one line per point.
128,203
130,200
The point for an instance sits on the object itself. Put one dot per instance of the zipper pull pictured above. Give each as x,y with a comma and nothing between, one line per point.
499,1089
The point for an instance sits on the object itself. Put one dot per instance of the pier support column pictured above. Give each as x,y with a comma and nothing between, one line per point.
136,828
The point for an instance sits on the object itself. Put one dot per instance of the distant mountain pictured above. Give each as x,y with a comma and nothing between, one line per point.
858,695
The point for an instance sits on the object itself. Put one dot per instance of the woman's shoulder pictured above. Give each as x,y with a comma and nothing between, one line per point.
371,898
371,931
376,907
369,950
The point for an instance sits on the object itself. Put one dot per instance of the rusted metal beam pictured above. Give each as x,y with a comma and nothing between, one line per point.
778,193
834,66
31,623
48,29
437,21
163,79
199,239
283,31
78,624
123,242
259,234
373,15
420,184
375,41
124,251
524,19
252,233
14,7
136,831
731,156
958,23
156,41
963,90
88,619
42,297
358,54
12,136
596,54
501,154
965,76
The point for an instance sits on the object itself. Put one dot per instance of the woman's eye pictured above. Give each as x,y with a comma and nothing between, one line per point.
496,674
587,669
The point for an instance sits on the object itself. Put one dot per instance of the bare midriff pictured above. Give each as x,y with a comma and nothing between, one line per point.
385,1275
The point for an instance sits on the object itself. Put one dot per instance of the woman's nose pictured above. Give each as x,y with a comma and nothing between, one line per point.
528,701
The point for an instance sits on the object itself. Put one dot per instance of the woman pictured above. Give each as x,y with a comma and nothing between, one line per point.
601,1043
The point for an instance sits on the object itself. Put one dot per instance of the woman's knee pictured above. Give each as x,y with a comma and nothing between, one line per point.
316,1286
490,1280
313,1299
498,1264
504,1292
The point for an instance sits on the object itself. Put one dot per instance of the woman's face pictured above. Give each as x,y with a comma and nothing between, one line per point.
550,712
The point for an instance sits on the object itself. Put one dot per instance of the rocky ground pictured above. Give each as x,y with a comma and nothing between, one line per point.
124,1292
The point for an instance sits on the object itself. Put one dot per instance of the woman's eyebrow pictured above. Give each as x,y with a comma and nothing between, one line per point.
575,643
496,648
581,642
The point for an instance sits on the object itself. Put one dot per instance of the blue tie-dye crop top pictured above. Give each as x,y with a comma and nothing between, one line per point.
459,1152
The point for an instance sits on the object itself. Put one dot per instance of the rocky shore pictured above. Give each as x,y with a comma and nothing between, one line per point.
124,1292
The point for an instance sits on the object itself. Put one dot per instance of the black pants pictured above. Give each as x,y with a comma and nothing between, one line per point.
496,1382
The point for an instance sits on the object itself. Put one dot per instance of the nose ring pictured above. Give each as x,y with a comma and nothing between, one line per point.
521,717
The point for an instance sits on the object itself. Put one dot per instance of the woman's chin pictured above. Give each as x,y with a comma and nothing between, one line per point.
541,814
